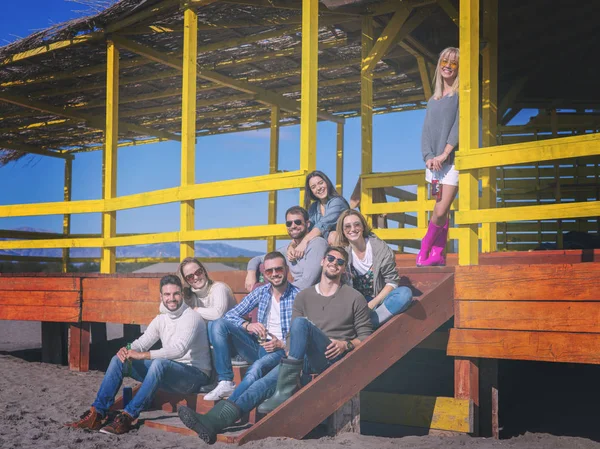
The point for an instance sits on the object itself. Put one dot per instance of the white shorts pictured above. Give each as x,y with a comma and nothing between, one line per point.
447,175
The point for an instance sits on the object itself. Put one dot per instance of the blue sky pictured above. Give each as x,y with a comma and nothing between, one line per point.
396,141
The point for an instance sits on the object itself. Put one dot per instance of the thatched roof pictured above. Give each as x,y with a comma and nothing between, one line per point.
55,101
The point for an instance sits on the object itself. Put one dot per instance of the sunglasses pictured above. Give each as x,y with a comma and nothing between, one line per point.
271,271
196,274
448,63
340,262
349,226
297,222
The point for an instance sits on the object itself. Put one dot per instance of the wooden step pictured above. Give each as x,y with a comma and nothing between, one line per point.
433,290
170,422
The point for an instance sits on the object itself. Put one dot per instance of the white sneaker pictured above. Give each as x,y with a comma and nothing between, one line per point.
222,391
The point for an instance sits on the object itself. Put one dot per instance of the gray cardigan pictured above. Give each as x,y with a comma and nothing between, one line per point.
384,264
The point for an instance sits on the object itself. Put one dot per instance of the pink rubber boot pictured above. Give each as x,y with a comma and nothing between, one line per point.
427,243
436,256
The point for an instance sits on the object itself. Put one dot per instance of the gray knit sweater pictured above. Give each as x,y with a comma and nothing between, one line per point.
440,127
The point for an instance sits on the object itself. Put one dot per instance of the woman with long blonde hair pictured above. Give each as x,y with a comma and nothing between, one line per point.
438,144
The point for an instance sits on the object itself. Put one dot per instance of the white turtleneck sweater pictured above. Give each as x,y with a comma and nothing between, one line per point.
213,301
183,337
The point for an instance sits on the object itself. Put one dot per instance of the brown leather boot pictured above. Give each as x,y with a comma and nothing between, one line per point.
120,425
90,420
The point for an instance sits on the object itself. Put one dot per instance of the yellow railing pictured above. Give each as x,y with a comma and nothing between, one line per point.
547,150
266,183
419,207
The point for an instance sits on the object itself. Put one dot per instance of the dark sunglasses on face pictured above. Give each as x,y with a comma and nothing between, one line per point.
270,271
297,222
198,273
331,258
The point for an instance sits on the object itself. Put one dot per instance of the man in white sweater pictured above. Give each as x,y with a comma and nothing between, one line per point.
181,366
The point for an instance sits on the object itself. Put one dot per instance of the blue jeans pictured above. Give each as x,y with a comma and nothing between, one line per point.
256,392
396,302
228,340
308,342
259,382
166,374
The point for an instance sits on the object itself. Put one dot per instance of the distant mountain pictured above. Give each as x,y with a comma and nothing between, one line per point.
159,250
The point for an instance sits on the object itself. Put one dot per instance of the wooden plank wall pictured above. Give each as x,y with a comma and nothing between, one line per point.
52,299
546,312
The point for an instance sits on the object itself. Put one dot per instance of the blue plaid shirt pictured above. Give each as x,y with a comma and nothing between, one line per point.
261,297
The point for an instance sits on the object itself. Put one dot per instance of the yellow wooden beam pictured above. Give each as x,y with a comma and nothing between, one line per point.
430,412
366,109
109,159
366,97
255,184
145,13
188,125
295,6
386,39
262,95
425,78
339,159
273,166
44,49
489,117
68,186
24,148
310,86
92,121
558,211
468,250
521,153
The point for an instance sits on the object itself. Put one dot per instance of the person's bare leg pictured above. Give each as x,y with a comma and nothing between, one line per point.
442,207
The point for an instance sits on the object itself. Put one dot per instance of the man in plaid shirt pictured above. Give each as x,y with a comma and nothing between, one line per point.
262,343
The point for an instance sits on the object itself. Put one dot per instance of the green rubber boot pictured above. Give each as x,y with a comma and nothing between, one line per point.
207,426
287,383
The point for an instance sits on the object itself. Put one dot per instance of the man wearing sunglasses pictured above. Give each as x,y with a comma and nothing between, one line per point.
329,320
306,271
182,365
261,343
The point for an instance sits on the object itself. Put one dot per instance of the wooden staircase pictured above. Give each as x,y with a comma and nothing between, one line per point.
433,289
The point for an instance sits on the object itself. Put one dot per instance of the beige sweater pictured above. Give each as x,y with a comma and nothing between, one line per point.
212,302
183,337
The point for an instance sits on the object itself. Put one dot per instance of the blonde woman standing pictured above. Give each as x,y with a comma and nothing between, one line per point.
438,145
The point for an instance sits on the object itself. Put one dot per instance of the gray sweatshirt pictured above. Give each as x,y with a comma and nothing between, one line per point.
440,127
342,316
305,271
183,337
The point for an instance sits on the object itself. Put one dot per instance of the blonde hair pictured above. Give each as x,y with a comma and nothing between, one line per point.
341,238
438,82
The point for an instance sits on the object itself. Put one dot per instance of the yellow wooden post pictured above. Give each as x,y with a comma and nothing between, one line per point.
188,125
339,159
108,262
468,253
489,117
67,217
273,165
310,85
366,109
425,78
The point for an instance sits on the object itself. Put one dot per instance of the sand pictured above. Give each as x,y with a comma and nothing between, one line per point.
37,398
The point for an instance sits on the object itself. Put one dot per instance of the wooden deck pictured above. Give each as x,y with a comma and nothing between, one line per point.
540,306
545,312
